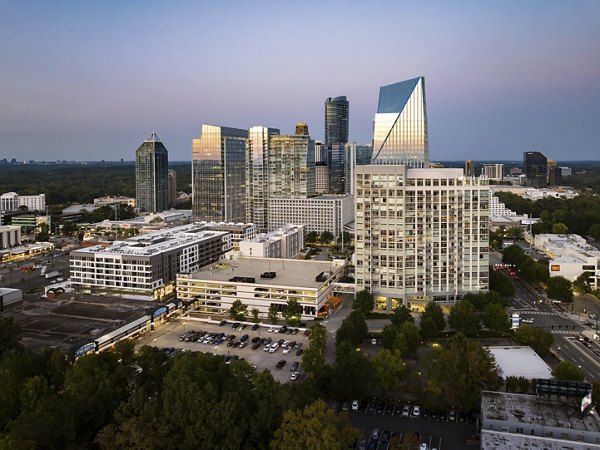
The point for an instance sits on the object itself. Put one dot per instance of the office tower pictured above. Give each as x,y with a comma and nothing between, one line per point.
292,166
536,169
320,153
219,174
151,176
258,154
469,168
400,125
554,176
301,129
493,171
349,167
336,162
363,154
321,178
421,235
172,188
337,112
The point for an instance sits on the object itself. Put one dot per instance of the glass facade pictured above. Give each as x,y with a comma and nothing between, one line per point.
337,112
400,125
536,169
292,166
219,174
152,176
258,153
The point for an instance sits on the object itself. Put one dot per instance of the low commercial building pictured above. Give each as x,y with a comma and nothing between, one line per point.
146,266
9,296
570,256
287,243
25,251
323,213
10,236
114,200
259,283
517,421
520,361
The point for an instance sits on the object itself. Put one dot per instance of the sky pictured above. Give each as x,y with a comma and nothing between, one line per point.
90,80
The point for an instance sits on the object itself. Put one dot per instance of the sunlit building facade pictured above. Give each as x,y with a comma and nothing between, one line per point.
151,176
337,115
421,235
292,166
219,174
400,125
258,154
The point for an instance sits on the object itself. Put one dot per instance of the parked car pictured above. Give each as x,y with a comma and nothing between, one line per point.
452,415
255,327
244,338
299,352
294,376
235,325
294,366
406,411
416,412
375,434
286,350
283,329
280,364
255,346
354,405
222,323
385,436
346,406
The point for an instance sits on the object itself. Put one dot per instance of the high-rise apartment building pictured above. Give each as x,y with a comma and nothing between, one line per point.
400,125
493,171
469,168
151,176
536,169
421,235
219,174
292,166
337,114
258,157
336,162
172,188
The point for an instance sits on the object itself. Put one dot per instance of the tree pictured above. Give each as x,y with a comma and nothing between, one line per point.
315,426
312,237
353,329
427,328
582,283
496,318
43,233
293,312
567,371
10,335
238,310
313,358
326,237
352,366
254,313
459,371
411,336
388,369
410,441
272,315
435,313
501,283
363,301
538,339
464,319
401,315
560,288
559,228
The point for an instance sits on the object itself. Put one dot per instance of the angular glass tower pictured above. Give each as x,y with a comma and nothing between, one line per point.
400,125
219,174
292,166
152,176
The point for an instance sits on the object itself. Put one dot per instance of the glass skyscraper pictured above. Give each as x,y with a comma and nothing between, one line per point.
400,125
152,176
337,112
219,174
258,154
536,169
292,166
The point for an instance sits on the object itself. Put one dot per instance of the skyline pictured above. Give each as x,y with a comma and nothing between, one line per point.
75,84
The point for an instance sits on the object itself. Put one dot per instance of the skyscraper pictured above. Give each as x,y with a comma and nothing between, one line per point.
292,166
151,176
301,129
337,111
400,125
219,174
536,169
469,168
172,188
258,155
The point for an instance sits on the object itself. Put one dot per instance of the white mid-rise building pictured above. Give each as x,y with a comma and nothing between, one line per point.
11,201
570,256
10,236
323,213
146,266
422,235
493,171
286,242
116,200
497,208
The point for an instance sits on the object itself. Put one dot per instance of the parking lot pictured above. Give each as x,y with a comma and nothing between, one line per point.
210,337
381,420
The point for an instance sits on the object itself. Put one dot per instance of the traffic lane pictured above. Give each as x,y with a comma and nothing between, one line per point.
167,336
453,435
575,352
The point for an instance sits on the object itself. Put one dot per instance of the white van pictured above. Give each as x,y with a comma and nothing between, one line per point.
274,347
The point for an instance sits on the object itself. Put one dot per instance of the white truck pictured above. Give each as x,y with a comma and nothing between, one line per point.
53,274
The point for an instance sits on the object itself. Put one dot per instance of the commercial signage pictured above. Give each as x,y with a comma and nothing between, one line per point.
160,311
555,268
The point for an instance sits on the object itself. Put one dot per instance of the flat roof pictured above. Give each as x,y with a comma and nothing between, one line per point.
520,361
290,272
534,409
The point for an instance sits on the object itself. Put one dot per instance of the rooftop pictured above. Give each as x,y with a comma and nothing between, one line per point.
290,272
533,409
516,361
